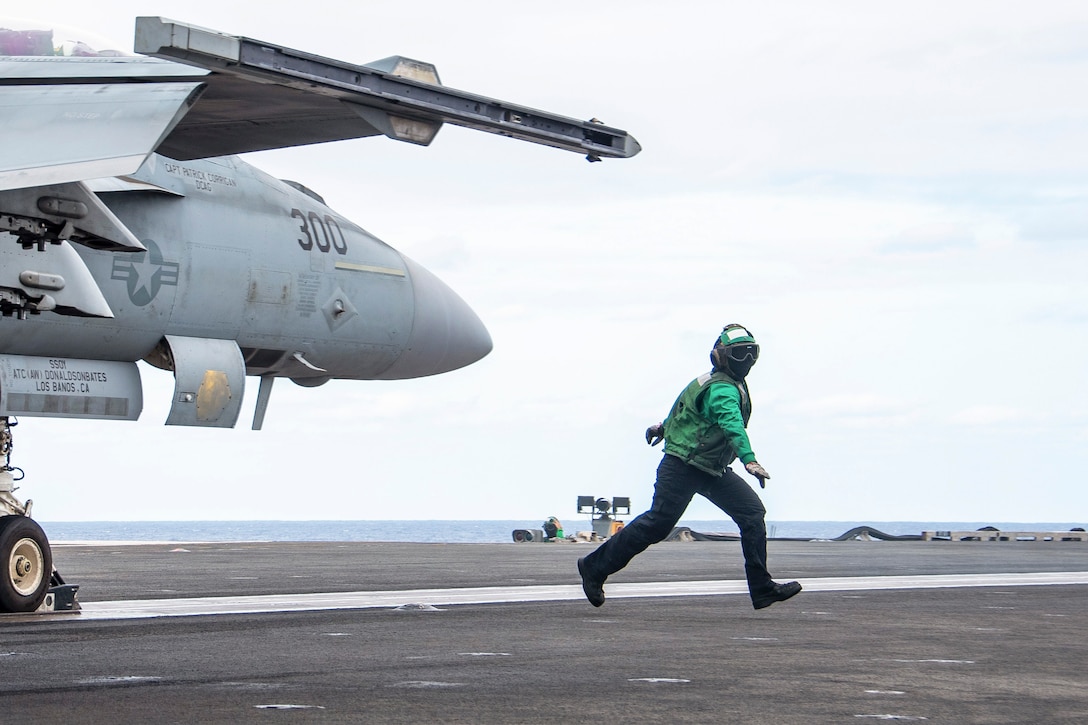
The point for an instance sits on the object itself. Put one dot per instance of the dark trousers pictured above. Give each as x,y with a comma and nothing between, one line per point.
676,483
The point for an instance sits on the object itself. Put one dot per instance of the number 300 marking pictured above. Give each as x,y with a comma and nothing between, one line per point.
325,233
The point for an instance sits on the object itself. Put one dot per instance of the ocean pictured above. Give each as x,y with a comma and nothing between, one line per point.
454,532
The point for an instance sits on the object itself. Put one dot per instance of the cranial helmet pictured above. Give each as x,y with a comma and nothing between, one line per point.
735,351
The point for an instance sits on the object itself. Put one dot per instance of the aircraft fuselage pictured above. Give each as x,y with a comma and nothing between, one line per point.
234,254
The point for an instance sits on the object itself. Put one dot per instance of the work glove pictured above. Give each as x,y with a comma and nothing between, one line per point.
655,434
759,472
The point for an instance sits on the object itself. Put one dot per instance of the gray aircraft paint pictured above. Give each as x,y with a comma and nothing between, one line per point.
129,231
173,249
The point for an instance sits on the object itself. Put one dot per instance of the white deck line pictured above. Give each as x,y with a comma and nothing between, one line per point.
149,608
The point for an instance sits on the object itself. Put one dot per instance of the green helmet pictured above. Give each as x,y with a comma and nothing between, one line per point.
735,351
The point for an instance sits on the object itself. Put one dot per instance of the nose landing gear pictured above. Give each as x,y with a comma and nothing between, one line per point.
24,581
28,581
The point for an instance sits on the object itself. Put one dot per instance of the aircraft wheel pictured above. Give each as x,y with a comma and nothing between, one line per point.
27,564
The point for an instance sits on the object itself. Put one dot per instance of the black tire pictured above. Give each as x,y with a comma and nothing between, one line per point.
26,564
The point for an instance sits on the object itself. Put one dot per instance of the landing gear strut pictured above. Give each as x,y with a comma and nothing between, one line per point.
27,579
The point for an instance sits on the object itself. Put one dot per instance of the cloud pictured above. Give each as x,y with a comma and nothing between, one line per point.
929,238
862,410
986,415
1061,221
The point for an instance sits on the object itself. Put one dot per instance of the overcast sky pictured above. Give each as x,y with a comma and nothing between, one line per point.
891,196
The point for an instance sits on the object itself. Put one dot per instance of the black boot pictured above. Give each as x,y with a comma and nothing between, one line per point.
591,585
777,593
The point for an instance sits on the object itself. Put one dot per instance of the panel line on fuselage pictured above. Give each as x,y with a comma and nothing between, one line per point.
352,267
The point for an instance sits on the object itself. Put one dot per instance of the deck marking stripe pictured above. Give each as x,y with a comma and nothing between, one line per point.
256,604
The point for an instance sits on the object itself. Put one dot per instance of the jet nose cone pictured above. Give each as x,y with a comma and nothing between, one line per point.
446,334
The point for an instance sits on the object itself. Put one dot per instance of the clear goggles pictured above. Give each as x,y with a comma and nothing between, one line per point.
742,353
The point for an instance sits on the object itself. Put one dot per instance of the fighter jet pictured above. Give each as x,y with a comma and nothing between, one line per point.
130,230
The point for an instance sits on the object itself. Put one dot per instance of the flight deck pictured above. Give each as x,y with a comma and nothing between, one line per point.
393,632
